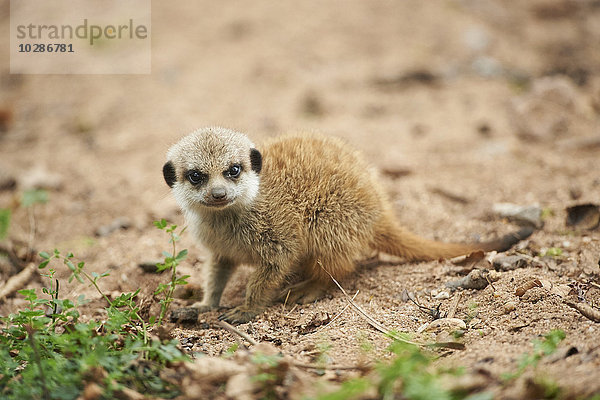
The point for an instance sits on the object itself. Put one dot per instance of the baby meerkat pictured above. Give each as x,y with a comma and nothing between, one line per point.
301,204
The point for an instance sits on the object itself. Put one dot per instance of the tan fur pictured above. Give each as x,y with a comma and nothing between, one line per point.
315,201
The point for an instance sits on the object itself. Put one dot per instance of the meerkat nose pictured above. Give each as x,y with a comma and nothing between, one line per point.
218,193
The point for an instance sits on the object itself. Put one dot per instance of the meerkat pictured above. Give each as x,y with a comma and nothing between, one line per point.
302,206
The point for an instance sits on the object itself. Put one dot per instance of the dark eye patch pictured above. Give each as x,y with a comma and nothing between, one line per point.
196,177
233,171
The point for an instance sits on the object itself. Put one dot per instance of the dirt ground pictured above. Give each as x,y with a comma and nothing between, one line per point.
460,104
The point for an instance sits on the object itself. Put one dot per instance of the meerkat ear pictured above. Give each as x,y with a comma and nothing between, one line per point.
255,160
169,173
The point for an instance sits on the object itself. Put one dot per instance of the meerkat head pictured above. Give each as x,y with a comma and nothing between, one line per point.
213,168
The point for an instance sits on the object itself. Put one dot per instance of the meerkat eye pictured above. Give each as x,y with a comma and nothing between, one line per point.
195,177
233,171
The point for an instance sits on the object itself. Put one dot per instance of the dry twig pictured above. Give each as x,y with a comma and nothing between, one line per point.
233,329
17,281
586,310
374,323
454,305
341,312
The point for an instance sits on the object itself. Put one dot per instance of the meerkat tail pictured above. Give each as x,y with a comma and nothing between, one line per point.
396,241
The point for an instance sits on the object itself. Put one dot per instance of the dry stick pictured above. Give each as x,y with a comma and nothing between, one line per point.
374,323
586,310
291,311
233,329
454,306
340,313
286,298
17,281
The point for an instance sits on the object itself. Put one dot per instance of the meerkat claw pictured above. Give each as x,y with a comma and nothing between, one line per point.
237,315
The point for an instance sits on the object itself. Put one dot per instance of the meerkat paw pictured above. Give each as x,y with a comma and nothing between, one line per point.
238,315
310,295
304,292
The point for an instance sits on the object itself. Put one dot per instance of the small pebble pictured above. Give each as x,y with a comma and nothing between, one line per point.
507,263
522,215
509,306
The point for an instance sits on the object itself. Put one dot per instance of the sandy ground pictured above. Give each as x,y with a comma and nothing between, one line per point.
489,101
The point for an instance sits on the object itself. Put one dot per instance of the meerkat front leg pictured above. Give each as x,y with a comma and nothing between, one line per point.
260,291
216,274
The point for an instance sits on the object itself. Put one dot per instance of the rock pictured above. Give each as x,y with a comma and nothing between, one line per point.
507,263
449,324
477,279
185,314
442,295
522,215
509,306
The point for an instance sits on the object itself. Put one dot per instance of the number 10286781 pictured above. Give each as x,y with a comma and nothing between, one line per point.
45,48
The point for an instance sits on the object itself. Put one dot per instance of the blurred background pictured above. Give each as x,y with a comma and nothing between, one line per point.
491,100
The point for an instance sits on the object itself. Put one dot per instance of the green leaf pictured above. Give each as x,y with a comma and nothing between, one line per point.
43,264
44,255
70,265
181,255
79,278
34,196
182,280
4,222
162,224
28,293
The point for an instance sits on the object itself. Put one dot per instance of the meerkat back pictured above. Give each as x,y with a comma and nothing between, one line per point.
332,190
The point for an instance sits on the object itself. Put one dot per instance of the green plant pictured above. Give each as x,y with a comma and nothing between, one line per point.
552,252
270,374
171,262
34,196
408,375
46,352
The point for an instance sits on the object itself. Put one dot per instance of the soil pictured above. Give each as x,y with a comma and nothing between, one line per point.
460,104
